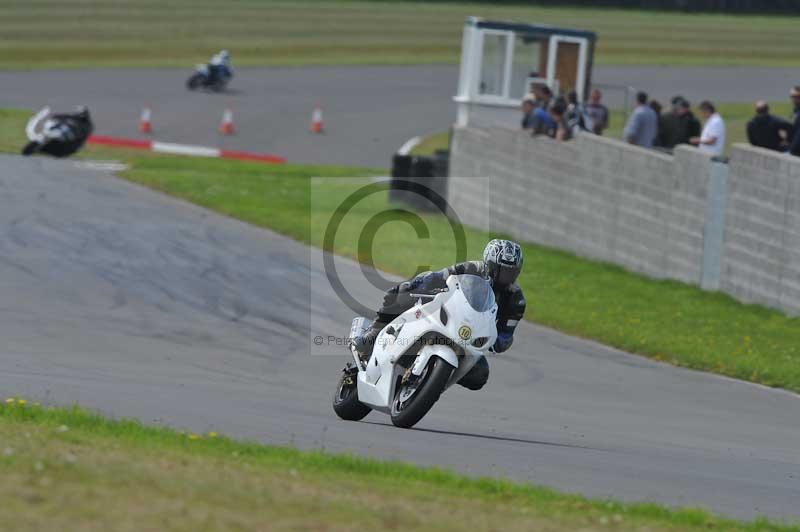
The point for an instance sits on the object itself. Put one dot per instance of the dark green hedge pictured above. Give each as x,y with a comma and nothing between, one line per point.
719,6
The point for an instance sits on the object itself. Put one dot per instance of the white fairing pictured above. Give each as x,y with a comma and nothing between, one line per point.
203,69
54,130
465,325
32,130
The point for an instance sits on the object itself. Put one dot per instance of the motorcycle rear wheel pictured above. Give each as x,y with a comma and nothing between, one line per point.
345,399
429,386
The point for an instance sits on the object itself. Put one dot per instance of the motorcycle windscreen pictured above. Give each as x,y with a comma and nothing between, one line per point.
478,292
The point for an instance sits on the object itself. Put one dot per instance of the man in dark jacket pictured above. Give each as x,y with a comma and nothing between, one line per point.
501,264
794,143
768,131
679,125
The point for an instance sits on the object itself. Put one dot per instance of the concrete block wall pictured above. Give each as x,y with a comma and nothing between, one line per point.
597,197
761,243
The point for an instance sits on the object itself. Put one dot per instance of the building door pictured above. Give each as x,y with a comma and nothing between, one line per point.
566,65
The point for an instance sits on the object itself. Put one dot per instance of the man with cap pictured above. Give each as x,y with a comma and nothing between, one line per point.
679,125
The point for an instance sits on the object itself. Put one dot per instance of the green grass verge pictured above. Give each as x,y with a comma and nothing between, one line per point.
431,143
12,129
665,320
94,33
69,469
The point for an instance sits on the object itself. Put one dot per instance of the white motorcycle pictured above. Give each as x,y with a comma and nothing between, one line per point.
54,137
421,353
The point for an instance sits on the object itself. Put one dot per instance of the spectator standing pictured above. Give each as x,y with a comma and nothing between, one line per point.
712,137
679,125
543,96
794,143
642,125
542,122
656,107
597,112
688,124
534,117
560,129
768,131
528,106
576,114
692,126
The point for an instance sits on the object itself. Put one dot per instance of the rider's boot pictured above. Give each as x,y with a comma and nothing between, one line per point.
365,343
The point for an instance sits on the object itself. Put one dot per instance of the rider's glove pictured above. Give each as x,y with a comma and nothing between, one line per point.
504,341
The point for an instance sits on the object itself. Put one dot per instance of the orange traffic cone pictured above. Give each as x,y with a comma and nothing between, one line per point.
144,121
226,126
316,120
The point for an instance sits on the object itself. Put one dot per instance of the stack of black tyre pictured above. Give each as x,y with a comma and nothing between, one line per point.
420,182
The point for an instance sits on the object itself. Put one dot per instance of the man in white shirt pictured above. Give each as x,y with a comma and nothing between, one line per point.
712,138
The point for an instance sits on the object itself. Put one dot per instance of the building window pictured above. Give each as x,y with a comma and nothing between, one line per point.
527,63
493,64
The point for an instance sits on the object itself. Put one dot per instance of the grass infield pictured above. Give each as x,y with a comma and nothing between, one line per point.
664,320
69,469
95,33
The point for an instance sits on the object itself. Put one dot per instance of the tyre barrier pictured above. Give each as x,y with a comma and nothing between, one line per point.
420,182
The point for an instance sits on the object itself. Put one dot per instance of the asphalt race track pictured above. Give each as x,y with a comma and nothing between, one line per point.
369,111
139,305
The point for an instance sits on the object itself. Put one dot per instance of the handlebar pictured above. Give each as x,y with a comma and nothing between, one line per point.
433,293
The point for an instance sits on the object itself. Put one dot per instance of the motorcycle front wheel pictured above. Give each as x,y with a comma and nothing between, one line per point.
415,398
30,148
195,81
345,399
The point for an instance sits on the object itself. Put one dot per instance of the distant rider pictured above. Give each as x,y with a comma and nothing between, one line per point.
219,68
63,134
501,264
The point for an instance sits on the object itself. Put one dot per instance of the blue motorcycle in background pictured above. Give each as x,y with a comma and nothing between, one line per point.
214,78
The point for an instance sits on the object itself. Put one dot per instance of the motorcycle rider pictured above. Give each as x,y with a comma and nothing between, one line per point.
64,133
501,264
219,68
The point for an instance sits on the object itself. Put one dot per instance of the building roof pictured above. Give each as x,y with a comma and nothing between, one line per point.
531,29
